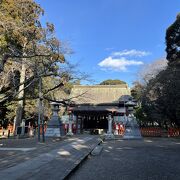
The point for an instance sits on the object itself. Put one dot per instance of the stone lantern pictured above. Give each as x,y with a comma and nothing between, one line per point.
109,134
132,128
70,133
54,126
130,107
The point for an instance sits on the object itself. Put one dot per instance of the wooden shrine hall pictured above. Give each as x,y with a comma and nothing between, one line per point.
93,105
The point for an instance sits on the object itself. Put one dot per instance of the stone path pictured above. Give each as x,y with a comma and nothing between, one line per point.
53,160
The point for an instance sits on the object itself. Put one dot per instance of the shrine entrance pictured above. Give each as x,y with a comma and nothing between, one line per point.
95,122
95,119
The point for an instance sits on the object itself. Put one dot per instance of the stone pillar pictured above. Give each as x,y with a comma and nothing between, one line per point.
76,124
109,134
70,133
109,124
79,124
23,127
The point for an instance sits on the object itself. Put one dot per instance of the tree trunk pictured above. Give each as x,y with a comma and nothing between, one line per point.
20,106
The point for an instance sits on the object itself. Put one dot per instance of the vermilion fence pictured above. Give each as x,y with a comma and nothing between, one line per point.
151,131
173,132
145,131
158,132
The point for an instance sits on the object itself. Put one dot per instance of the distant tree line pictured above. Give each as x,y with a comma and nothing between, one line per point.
112,82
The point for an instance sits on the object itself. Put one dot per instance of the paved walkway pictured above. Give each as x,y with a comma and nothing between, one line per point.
26,159
146,159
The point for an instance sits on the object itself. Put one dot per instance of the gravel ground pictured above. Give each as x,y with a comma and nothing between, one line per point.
146,159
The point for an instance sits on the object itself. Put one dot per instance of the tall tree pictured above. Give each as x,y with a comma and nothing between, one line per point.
151,70
38,53
161,97
173,42
147,91
24,40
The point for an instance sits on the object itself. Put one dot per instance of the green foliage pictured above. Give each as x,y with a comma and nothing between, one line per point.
141,116
22,36
19,25
23,41
11,113
136,90
173,42
112,82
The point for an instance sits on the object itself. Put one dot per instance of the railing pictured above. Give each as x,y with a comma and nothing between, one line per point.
173,132
151,131
6,132
159,132
9,131
145,131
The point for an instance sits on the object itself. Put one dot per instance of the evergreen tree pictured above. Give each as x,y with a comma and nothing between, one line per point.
25,41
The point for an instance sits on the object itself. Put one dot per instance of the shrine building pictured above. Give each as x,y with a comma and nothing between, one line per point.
92,106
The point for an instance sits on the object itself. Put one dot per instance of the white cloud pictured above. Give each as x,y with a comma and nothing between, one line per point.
118,64
132,52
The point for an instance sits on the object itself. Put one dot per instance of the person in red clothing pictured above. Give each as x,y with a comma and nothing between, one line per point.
121,129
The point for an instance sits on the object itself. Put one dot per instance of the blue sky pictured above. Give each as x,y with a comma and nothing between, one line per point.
112,39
